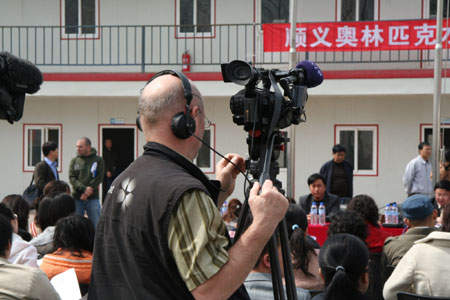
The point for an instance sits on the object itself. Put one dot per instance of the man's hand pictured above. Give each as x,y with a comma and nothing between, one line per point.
226,173
83,197
269,207
89,191
108,174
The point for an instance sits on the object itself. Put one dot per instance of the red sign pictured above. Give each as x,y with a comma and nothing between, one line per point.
355,36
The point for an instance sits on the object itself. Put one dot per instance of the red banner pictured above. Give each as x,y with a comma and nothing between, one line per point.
355,36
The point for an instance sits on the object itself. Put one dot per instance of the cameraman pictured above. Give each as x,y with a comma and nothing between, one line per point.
161,235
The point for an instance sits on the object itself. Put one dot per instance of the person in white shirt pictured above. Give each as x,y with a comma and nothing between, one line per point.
417,178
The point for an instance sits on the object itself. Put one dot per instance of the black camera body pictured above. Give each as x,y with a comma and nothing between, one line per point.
17,78
253,107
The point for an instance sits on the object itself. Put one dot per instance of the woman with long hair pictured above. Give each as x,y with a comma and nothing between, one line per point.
344,262
304,257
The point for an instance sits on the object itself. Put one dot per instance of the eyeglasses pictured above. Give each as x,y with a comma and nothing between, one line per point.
208,123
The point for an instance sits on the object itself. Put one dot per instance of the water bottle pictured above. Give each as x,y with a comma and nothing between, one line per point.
394,212
387,214
322,213
313,214
224,208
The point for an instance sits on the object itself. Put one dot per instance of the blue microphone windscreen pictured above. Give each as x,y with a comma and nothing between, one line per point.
313,74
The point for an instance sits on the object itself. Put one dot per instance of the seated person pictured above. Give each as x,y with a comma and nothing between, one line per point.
419,215
423,269
259,281
53,187
441,198
20,207
305,259
19,281
21,251
317,187
348,222
344,263
231,216
74,241
366,207
52,208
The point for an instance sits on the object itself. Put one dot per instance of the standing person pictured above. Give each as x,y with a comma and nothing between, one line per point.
317,187
86,173
161,235
46,170
111,159
417,178
338,173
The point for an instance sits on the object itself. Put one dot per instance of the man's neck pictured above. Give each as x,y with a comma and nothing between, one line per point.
47,157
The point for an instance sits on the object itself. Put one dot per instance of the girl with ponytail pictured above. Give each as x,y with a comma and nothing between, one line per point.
343,262
304,257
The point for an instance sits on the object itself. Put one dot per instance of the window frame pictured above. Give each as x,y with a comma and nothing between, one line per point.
426,10
44,127
212,160
430,126
195,35
79,35
375,155
376,11
260,12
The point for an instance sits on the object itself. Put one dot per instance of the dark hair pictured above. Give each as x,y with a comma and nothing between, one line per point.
314,177
366,207
74,233
20,207
48,146
443,184
348,222
230,215
86,140
447,155
422,144
5,235
338,148
6,212
343,259
54,207
297,224
56,186
446,218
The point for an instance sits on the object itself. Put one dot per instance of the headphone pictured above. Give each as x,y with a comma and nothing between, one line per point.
182,124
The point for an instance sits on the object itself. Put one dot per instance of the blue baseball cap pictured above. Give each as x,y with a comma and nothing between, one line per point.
417,207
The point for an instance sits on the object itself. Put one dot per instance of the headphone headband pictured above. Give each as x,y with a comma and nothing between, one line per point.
187,90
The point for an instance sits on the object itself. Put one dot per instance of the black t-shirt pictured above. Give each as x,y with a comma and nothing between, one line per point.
339,183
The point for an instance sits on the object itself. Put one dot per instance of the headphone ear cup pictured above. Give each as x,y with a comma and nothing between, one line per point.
182,126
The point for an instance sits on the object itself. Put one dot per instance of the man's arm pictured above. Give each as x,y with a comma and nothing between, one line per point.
408,177
95,181
39,175
268,209
77,185
226,173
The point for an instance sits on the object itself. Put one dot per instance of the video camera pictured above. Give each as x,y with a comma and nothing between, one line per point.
263,112
17,78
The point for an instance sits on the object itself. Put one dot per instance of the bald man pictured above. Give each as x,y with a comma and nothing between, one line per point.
161,235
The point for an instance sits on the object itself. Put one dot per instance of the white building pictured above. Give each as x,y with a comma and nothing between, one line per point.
93,74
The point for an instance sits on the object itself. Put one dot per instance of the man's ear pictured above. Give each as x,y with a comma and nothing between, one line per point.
266,260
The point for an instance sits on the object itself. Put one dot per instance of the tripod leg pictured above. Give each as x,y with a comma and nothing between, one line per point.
291,289
277,282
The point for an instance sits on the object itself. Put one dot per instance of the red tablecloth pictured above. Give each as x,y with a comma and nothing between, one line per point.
319,232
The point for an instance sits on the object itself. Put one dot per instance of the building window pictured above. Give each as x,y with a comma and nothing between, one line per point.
433,9
361,143
427,134
205,158
195,17
35,136
357,10
274,11
80,18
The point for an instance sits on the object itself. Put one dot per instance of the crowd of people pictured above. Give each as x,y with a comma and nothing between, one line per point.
160,234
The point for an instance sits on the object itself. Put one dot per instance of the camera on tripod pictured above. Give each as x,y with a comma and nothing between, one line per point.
253,107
